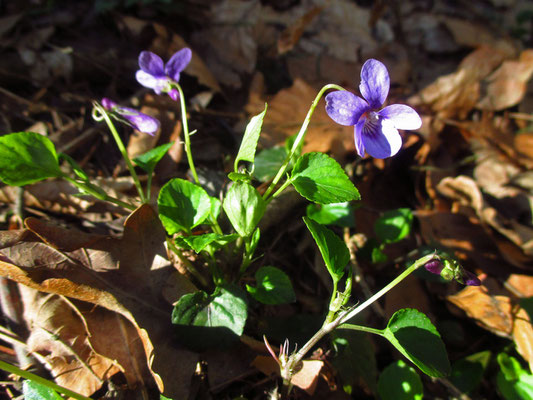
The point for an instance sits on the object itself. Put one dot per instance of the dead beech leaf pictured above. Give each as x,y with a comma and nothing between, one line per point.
124,275
286,112
493,313
291,35
507,85
520,285
58,333
456,94
523,335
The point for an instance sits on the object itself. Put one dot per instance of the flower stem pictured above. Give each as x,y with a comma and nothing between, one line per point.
327,327
122,150
299,138
186,135
36,378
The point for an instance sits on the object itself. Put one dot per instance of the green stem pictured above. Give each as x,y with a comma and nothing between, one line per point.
36,378
101,195
418,263
280,189
332,309
122,150
186,135
188,265
296,358
299,138
361,328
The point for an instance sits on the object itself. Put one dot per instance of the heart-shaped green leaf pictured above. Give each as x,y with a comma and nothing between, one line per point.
182,205
413,334
27,157
319,178
273,287
400,381
394,225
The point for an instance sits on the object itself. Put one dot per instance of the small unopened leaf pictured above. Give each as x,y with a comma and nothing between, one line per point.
399,381
182,205
36,391
334,252
27,157
394,225
413,334
203,320
244,207
319,178
249,140
273,287
149,160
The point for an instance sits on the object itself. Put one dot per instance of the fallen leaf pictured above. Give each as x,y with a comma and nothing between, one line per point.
123,275
292,34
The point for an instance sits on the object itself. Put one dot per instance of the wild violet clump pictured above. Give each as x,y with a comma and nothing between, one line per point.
217,313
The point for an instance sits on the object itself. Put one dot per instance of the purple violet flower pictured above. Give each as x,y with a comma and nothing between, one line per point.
376,131
136,119
450,269
161,77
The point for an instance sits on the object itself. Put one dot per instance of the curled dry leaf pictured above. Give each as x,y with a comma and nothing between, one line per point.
125,275
499,315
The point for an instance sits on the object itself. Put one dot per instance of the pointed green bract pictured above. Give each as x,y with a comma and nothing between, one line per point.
334,252
244,207
182,205
27,157
321,179
400,381
149,160
249,140
413,334
273,287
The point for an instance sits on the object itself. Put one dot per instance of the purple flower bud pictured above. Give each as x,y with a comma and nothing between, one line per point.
434,266
470,279
136,119
174,94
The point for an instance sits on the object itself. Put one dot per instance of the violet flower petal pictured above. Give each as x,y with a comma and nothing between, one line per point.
151,64
375,83
177,63
147,80
108,104
402,116
381,140
358,137
345,108
470,279
140,121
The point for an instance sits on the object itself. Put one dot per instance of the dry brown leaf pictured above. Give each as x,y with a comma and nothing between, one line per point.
409,294
292,34
507,85
287,111
523,335
124,275
520,285
59,333
493,313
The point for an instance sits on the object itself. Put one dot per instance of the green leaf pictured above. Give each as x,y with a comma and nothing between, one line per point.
268,162
321,179
27,157
149,160
249,140
244,207
37,391
182,205
273,287
355,359
514,383
204,320
467,372
334,252
339,214
200,242
399,381
413,334
394,225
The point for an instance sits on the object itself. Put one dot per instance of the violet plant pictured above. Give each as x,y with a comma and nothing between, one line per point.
217,313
